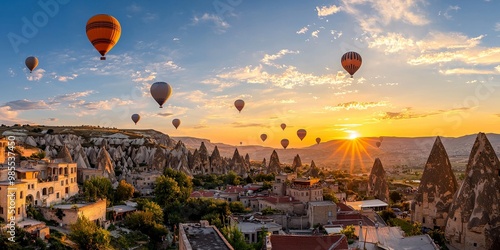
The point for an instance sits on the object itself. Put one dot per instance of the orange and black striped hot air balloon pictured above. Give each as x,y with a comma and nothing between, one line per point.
351,61
103,32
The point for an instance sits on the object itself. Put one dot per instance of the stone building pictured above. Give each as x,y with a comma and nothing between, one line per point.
474,217
305,190
436,189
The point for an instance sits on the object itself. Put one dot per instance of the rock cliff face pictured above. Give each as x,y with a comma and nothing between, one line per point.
274,164
474,216
238,164
104,163
64,155
436,189
297,163
377,182
313,170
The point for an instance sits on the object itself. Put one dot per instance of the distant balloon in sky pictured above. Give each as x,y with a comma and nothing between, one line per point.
301,133
241,143
318,140
263,137
31,62
176,122
239,104
136,118
351,61
103,31
381,139
283,126
161,91
284,143
378,144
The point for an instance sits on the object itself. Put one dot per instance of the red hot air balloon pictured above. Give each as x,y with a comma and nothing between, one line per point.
318,140
351,62
239,104
161,91
378,144
103,31
176,122
31,62
136,118
283,126
263,137
301,133
284,143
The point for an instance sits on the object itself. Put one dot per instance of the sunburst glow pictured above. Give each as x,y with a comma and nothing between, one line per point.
353,135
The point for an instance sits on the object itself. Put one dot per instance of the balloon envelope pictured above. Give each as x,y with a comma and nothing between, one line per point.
318,140
301,133
161,91
283,126
103,31
239,104
351,61
263,137
284,143
378,144
176,122
136,118
31,62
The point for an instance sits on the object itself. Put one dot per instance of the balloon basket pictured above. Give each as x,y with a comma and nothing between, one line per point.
103,58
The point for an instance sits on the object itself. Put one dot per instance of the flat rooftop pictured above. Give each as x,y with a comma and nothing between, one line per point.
321,203
367,204
121,208
204,238
250,227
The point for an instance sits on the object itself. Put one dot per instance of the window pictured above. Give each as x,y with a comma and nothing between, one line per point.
67,190
62,183
1,210
44,191
19,212
423,219
21,195
475,244
66,181
57,195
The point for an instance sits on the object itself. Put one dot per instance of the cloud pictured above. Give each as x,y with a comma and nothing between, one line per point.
407,113
196,96
103,105
134,8
66,78
269,59
7,114
497,26
464,71
52,119
248,125
72,96
148,17
220,25
25,105
336,34
289,101
302,31
392,42
12,73
36,75
447,14
356,105
315,33
164,114
327,10
176,39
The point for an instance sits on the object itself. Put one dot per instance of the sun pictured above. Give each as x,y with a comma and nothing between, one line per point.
353,135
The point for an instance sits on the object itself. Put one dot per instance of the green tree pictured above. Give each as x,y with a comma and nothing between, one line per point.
329,195
151,206
387,215
124,191
87,235
237,207
232,178
235,237
98,188
348,231
145,222
167,191
183,182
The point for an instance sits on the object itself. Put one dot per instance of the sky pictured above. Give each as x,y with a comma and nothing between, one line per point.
429,67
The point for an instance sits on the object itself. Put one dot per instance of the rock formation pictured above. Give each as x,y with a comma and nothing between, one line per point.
313,170
377,182
436,189
104,163
474,216
297,163
274,164
64,154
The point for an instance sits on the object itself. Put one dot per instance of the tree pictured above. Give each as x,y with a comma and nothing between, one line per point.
387,215
124,191
145,222
98,188
88,235
151,206
237,207
348,231
329,195
166,190
235,237
183,182
395,196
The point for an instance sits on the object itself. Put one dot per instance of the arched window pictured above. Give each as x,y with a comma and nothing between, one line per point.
44,191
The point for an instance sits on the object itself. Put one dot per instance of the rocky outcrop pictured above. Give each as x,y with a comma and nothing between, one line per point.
104,163
64,155
377,182
474,216
313,170
436,189
217,164
238,164
297,163
274,164
159,160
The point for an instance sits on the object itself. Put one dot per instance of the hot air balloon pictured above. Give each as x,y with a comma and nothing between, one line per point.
284,143
263,137
161,91
301,133
241,143
103,31
283,126
381,139
136,118
31,62
239,104
378,144
176,122
318,140
351,61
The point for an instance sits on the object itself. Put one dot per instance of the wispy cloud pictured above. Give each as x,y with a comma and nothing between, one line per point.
26,105
269,59
103,105
149,17
447,13
248,125
497,26
464,71
52,119
327,10
66,78
315,33
408,113
12,73
36,75
303,30
71,96
220,25
356,105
